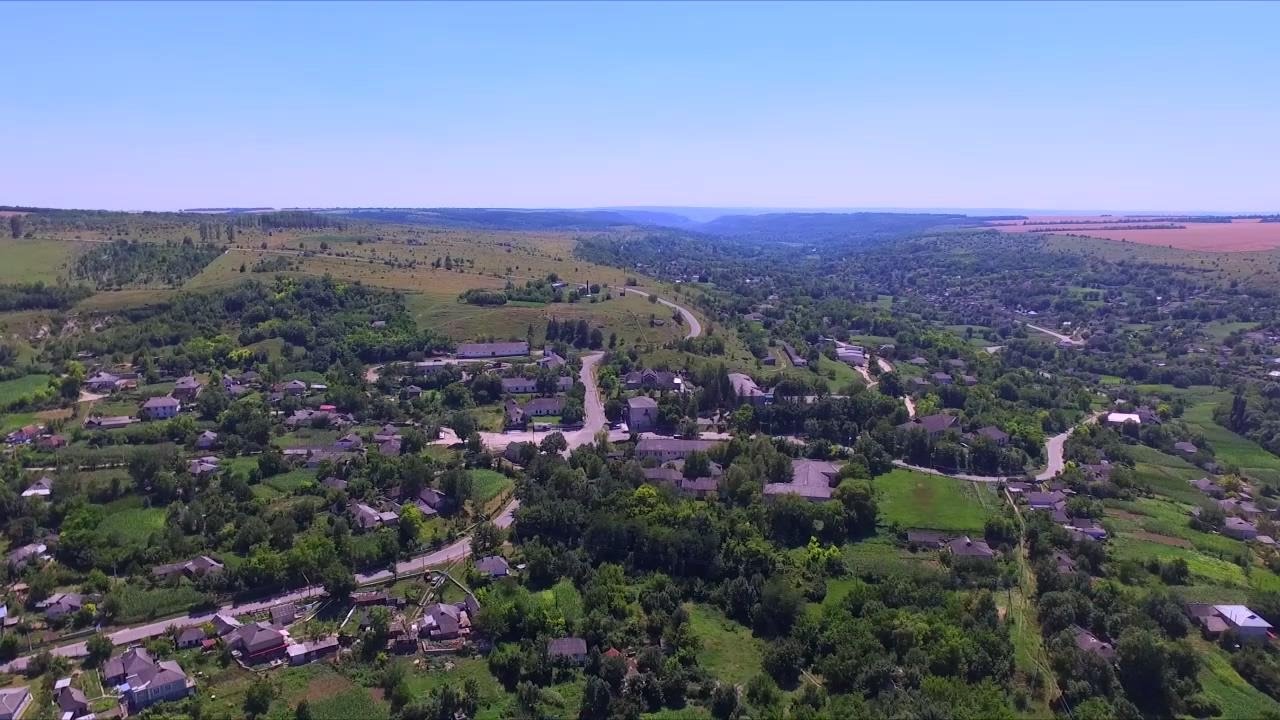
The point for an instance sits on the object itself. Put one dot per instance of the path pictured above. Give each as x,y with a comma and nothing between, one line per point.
1058,335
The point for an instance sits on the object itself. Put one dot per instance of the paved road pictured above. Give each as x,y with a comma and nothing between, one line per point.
139,633
592,405
1054,448
690,320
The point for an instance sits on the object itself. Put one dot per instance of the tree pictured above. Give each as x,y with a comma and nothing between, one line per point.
783,661
303,711
257,700
99,647
485,538
553,444
15,226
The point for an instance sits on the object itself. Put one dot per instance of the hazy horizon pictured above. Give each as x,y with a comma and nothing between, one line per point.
1074,107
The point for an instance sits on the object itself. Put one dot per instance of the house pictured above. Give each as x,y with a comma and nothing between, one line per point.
573,649
40,488
71,701
1239,528
1186,448
1044,500
334,483
491,350
748,392
998,437
161,407
1209,487
1242,508
543,407
664,449
852,355
14,702
282,615
519,385
1064,563
366,518
156,682
1119,418
258,642
430,501
412,392
796,358
642,413
550,359
193,568
495,566
25,555
110,422
445,621
51,442
810,479
224,624
926,539
966,547
385,433
390,448
934,425
310,651
24,434
941,378
103,382
119,668
1088,642
513,416
190,637
348,443
515,452
203,466
60,605
1217,619
207,440
653,380
187,388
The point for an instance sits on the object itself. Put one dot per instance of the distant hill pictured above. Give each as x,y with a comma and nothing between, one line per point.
776,227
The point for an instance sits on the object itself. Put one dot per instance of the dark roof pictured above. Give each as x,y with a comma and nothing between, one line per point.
551,405
926,537
1089,642
494,349
993,433
493,566
965,546
567,647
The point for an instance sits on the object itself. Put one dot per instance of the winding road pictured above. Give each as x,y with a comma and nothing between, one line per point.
1054,450
1058,335
456,551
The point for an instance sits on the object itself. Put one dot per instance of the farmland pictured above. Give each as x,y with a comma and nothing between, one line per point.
1239,235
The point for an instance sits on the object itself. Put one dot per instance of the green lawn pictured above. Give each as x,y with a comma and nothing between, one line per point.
488,484
12,390
286,483
729,651
1229,447
919,500
494,699
353,703
1236,697
128,521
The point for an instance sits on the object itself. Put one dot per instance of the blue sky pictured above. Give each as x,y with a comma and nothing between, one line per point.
1037,105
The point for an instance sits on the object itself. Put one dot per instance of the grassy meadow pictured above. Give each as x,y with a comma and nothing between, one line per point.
911,499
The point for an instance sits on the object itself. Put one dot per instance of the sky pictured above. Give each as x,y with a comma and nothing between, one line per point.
1146,106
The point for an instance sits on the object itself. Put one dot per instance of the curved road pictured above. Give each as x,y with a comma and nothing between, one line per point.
690,320
1053,449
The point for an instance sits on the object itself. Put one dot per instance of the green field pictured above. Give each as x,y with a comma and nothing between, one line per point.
913,499
1231,448
1236,697
286,483
728,649
488,484
13,390
35,260
126,520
